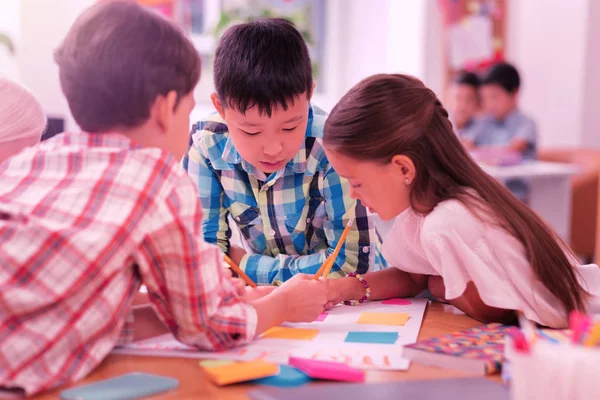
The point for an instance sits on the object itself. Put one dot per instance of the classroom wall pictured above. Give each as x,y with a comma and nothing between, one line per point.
43,25
10,25
363,40
591,82
547,41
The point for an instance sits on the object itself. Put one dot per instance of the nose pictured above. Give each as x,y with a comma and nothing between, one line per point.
354,193
272,148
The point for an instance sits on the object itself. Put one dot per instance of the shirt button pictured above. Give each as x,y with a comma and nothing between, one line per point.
366,249
272,232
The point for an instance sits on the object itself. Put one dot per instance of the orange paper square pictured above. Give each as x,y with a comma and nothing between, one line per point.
284,332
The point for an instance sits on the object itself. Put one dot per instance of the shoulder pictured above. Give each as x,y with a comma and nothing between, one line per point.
316,157
316,121
209,136
450,218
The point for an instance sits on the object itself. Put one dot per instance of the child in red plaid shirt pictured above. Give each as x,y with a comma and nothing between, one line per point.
86,218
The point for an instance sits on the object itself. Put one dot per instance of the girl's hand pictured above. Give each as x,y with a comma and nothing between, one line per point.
437,287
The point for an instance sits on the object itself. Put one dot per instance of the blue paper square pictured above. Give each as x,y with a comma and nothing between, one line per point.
372,337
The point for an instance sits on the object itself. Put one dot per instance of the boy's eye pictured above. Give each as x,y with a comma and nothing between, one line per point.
356,186
250,133
291,129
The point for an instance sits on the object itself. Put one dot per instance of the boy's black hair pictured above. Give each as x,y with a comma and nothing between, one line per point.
467,78
264,63
117,58
504,75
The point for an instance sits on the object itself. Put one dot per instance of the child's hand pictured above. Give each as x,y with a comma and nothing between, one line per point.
436,287
251,294
236,254
304,298
238,284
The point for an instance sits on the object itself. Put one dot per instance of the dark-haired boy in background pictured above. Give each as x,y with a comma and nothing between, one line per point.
504,126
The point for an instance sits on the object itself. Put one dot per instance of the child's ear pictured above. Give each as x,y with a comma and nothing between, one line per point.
312,90
406,167
163,110
214,97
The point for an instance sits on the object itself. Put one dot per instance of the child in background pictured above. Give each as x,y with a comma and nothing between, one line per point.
85,218
458,231
464,103
260,159
22,120
503,126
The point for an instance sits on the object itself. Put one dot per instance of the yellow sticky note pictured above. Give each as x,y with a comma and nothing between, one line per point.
383,318
215,363
241,372
283,332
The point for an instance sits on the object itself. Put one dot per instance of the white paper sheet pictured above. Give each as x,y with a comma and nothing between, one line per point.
329,344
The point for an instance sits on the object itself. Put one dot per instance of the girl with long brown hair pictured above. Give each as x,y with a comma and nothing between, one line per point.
458,231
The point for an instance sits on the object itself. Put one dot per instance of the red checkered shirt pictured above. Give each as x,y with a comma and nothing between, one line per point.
84,220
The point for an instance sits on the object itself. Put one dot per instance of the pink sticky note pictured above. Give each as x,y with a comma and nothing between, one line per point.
397,302
329,370
322,317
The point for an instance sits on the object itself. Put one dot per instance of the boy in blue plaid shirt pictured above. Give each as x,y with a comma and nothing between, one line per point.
261,161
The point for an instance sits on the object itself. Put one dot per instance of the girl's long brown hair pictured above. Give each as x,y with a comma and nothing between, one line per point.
385,115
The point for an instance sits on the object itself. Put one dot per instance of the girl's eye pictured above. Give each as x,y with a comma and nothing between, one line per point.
357,186
250,133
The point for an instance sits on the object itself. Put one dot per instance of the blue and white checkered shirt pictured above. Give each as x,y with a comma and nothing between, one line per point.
293,219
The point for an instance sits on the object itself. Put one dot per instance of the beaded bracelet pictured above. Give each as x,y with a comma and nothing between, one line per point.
365,285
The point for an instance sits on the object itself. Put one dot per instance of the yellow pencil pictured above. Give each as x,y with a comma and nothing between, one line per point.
594,336
328,264
240,273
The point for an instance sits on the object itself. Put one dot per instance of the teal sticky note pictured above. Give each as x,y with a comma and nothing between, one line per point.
287,377
372,337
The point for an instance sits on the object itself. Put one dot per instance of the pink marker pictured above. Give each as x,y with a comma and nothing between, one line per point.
329,370
579,324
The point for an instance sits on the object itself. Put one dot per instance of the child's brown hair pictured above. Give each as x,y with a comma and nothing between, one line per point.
385,115
117,58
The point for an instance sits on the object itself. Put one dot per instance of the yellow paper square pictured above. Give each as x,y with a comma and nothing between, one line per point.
383,318
283,332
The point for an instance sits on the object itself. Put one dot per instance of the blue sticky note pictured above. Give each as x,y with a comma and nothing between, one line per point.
372,337
287,377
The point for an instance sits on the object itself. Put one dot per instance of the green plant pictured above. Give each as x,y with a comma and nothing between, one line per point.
6,40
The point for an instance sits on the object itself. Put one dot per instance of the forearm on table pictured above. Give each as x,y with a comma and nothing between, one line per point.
384,284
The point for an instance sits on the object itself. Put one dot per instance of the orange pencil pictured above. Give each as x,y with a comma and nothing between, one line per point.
328,264
240,273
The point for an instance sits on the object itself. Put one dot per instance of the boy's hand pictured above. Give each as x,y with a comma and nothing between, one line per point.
304,298
236,253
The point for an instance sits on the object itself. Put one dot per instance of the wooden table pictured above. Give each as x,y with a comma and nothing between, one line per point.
439,319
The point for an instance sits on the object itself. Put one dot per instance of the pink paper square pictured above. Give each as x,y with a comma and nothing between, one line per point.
329,370
397,302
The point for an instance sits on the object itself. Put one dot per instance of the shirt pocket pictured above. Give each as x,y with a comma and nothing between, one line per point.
245,215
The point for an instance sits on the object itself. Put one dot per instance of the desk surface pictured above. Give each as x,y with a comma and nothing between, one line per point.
439,319
533,169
